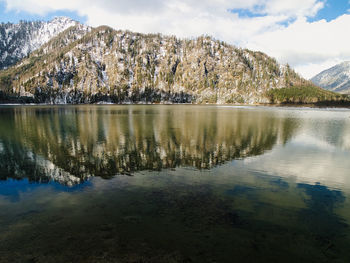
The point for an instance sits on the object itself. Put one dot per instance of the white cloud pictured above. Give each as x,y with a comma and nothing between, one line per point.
307,46
275,7
311,69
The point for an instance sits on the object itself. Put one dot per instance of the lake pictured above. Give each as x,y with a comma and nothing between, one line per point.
174,183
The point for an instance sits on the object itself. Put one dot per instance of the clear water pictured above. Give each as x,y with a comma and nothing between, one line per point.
174,184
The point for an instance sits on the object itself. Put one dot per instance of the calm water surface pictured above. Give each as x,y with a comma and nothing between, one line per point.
174,184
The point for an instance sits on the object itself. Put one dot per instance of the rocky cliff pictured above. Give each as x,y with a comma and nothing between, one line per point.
19,40
90,65
84,65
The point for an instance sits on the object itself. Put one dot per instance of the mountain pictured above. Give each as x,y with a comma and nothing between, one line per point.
335,79
19,40
89,65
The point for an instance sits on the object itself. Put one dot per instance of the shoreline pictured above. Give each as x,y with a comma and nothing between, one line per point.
280,105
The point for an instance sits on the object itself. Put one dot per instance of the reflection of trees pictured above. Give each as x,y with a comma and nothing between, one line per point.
18,163
104,141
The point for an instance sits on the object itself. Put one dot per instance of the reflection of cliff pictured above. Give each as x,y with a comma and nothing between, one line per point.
104,141
18,163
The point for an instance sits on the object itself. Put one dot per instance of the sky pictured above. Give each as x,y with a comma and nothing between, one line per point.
309,35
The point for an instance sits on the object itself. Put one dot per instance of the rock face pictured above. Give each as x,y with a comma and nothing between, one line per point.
335,79
88,65
19,40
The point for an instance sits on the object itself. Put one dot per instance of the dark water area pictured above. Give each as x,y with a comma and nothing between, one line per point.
156,183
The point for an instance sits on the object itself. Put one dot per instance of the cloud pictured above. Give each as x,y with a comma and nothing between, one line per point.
279,28
272,7
312,153
307,45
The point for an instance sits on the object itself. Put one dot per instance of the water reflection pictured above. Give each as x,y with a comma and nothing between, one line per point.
178,216
70,144
249,185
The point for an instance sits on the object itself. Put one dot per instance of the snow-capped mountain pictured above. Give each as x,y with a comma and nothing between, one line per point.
93,65
335,79
19,40
104,64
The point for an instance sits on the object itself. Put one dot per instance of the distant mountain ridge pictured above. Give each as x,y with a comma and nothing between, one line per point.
19,40
335,79
89,65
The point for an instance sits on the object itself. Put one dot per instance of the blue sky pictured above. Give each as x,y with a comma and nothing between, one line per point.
332,10
310,35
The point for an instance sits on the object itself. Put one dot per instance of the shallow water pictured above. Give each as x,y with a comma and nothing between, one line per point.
174,183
